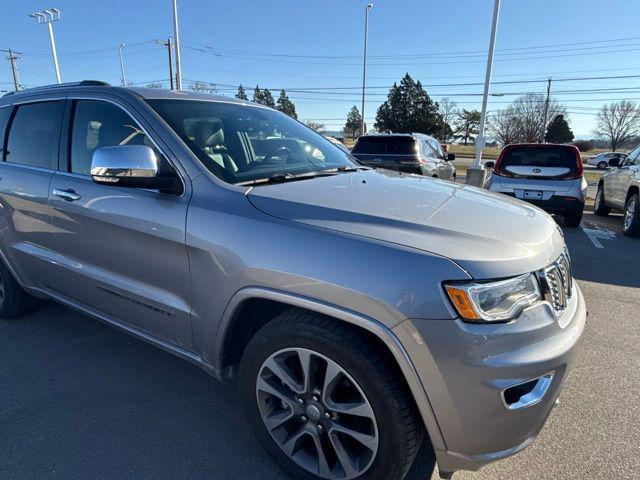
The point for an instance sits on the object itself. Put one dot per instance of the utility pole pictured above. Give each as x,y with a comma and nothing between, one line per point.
367,7
169,46
476,174
123,77
49,16
13,58
546,111
176,38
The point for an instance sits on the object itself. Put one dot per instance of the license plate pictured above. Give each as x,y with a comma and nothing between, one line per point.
532,195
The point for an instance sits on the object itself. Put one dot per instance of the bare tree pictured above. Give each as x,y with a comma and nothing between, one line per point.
528,112
618,122
503,126
315,126
448,110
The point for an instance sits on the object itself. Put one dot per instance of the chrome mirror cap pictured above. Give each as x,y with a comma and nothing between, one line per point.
125,166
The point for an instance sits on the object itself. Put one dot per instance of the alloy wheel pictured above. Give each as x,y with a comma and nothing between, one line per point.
629,213
317,414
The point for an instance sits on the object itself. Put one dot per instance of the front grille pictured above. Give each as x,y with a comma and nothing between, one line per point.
556,283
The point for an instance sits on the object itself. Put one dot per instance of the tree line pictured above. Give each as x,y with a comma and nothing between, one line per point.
409,109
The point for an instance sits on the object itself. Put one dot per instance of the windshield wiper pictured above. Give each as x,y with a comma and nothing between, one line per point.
287,177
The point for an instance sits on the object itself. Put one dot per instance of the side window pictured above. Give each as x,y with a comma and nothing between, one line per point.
633,157
5,113
101,124
437,149
427,151
34,135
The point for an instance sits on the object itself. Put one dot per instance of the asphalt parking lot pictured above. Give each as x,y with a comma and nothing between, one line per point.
81,400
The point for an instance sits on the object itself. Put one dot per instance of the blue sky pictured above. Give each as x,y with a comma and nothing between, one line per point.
317,47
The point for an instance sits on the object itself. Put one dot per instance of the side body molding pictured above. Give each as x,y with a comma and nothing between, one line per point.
373,326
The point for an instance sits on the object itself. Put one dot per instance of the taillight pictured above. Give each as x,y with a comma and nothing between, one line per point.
579,167
422,161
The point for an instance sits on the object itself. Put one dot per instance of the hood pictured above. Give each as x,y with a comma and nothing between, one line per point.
487,234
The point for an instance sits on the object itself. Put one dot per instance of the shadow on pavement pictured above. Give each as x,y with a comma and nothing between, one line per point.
83,400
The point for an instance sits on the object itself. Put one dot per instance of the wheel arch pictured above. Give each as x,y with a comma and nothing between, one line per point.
633,190
238,325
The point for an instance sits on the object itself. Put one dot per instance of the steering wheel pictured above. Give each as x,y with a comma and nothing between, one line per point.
277,153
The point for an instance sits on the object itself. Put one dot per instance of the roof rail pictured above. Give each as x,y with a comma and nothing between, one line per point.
83,83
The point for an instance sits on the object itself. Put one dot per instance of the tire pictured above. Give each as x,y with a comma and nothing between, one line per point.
14,301
602,165
386,410
573,220
599,207
631,220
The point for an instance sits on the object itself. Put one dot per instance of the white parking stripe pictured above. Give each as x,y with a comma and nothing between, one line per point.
595,234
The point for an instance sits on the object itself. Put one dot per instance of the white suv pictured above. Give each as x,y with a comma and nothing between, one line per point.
619,189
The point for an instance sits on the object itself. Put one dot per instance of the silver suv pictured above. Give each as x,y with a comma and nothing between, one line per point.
547,175
362,310
619,188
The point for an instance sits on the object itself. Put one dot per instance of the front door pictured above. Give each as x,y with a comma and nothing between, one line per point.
121,251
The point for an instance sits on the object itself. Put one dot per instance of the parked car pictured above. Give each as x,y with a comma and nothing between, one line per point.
547,175
619,189
362,309
603,160
405,152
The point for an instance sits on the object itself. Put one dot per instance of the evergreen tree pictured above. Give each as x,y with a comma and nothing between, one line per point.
267,98
242,95
285,105
257,95
408,108
354,123
558,131
467,125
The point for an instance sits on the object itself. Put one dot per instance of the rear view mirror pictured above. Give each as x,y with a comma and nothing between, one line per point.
490,164
451,157
614,162
128,166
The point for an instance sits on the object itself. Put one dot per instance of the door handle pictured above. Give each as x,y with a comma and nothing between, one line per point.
69,195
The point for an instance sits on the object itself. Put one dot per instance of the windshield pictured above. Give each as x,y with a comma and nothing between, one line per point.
240,143
385,145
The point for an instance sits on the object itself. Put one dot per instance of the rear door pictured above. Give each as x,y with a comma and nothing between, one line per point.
624,177
29,158
398,153
121,251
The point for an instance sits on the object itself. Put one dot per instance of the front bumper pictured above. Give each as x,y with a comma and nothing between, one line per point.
465,368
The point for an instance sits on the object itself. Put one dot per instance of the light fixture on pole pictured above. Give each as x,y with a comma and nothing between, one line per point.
367,7
476,174
49,16
123,77
176,42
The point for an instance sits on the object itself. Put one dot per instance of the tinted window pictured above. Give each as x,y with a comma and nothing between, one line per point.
34,134
4,118
101,124
240,143
633,156
385,145
437,149
427,151
539,157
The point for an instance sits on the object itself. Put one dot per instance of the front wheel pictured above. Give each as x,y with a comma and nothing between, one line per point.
326,403
631,221
14,301
602,165
599,207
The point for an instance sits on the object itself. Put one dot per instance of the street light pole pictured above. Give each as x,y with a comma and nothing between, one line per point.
122,74
176,41
49,16
546,111
367,7
476,174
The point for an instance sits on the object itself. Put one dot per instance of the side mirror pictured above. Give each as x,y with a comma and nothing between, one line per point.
451,157
614,162
489,164
133,166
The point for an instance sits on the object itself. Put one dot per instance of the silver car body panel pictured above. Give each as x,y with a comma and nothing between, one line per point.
370,248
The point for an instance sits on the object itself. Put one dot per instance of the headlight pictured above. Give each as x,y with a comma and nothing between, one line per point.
495,301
